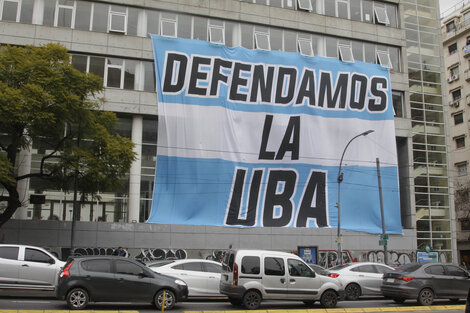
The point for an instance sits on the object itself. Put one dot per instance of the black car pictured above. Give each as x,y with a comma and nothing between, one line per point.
426,282
116,279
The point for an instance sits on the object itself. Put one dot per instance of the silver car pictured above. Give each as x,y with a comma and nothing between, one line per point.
202,276
360,278
28,268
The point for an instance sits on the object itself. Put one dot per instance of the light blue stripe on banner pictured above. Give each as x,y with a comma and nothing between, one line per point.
197,192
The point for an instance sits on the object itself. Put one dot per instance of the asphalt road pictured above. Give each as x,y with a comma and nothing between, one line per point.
363,305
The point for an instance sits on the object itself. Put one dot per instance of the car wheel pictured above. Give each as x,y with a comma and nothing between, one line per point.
235,302
399,300
329,299
353,291
252,300
77,299
169,299
309,302
426,297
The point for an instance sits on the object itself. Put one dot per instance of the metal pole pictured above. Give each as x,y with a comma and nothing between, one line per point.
382,211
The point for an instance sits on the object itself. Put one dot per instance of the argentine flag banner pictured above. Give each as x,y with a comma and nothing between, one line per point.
252,138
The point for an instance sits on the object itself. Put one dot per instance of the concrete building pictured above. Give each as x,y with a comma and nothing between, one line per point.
111,39
456,51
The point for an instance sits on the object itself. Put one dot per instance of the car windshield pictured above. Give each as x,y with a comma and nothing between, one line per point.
408,268
339,267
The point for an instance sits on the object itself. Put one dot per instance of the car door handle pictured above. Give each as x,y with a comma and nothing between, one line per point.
212,277
25,265
292,280
361,275
183,274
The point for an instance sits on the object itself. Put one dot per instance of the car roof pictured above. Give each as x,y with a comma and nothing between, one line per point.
261,252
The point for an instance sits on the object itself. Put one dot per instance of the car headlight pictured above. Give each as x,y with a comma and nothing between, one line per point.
180,282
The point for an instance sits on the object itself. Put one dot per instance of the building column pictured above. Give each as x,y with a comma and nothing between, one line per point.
24,167
134,179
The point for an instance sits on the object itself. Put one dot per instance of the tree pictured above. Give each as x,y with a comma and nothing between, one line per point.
46,101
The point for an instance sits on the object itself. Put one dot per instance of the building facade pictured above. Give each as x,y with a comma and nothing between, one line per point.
456,50
111,39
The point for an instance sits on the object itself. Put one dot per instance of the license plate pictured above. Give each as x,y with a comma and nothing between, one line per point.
390,280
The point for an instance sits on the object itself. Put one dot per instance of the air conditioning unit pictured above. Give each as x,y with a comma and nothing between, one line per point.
449,79
455,77
456,104
451,103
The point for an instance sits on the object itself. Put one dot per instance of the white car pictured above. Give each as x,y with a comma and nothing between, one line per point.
360,278
202,276
28,268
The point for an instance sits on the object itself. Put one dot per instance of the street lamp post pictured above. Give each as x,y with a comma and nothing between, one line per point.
338,205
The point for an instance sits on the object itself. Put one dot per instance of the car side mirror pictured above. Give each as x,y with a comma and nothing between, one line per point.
51,261
142,275
313,274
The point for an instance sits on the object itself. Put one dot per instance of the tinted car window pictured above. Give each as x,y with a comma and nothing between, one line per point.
193,266
250,265
408,268
382,269
178,267
297,268
212,268
274,266
364,269
124,267
227,265
103,266
34,255
161,263
435,270
455,271
10,253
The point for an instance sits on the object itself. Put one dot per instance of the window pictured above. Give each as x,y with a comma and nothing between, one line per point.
454,72
10,253
452,48
381,16
305,47
262,41
450,26
384,59
468,41
364,269
193,266
345,53
397,99
297,268
342,9
65,13
128,268
11,10
457,94
250,265
458,118
305,5
216,34
114,72
382,269
168,25
461,168
459,142
435,270
212,268
453,270
34,255
103,266
274,266
117,19
465,224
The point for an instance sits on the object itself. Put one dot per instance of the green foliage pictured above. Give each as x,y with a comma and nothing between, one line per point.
44,100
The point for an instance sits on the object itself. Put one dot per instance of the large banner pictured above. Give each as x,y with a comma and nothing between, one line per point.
251,138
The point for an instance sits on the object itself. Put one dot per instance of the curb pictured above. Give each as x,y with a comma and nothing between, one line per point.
347,310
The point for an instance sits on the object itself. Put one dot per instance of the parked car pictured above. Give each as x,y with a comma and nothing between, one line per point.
426,282
28,268
116,279
202,276
250,276
360,278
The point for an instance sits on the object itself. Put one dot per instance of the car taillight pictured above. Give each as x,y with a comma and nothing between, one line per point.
405,278
235,274
333,275
65,272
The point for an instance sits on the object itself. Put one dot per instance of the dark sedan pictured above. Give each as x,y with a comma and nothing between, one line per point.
426,282
116,279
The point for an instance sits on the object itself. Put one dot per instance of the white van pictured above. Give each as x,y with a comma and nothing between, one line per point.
249,276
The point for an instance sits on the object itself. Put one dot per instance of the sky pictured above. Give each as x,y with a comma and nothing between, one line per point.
445,5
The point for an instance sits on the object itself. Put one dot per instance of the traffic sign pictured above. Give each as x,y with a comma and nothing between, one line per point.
339,239
382,242
384,236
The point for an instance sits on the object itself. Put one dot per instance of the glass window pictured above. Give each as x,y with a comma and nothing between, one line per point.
330,9
128,268
129,74
103,266
216,34
458,118
392,14
100,17
34,255
457,94
331,47
305,5
435,270
262,41
450,26
97,65
453,270
11,10
275,39
83,15
10,253
117,19
149,76
397,99
80,62
452,48
274,266
168,27
247,36
355,7
290,41
193,266
384,59
382,269
132,20
299,269
454,72
460,142
178,267
212,268
461,168
184,26
113,72
199,28
364,269
153,18
305,47
343,8
26,15
381,16
250,265
65,13
367,11
345,53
